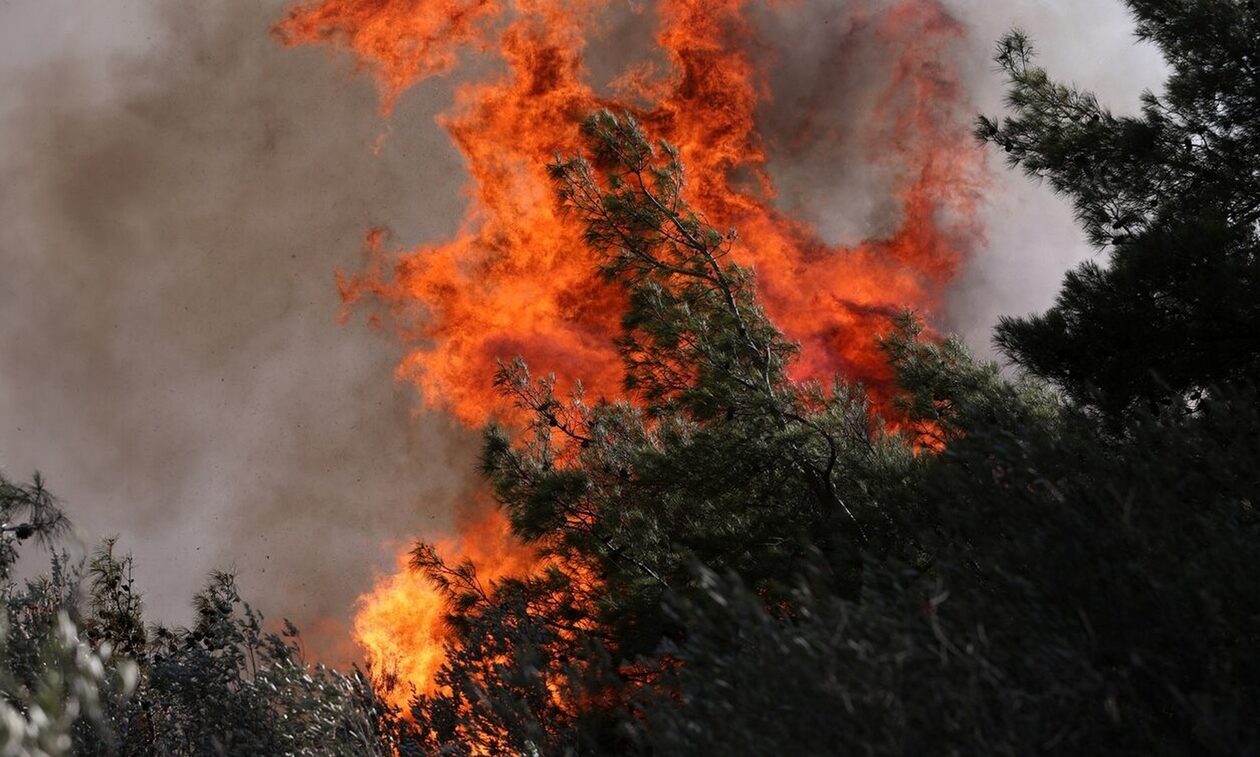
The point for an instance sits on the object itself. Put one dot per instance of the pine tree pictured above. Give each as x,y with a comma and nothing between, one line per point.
720,460
1172,195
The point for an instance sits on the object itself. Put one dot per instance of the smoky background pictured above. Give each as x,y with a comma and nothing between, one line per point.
177,191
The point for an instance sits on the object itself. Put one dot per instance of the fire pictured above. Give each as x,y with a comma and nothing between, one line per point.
401,625
517,278
402,41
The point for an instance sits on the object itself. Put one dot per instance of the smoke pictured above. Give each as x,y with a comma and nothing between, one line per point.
178,194
826,61
1032,236
179,191
830,64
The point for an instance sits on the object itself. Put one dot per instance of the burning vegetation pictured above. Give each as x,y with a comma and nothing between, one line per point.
753,505
520,279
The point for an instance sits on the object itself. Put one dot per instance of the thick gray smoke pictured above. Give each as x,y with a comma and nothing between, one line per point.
178,191
830,61
1032,236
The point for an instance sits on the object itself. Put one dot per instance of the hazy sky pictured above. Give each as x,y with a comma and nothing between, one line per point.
175,195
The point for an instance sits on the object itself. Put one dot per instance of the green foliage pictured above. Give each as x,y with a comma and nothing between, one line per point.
736,563
720,459
510,686
1173,195
940,384
226,671
82,674
1000,569
893,674
54,684
26,511
65,692
1087,595
1126,561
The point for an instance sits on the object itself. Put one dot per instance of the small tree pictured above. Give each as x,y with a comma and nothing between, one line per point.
82,674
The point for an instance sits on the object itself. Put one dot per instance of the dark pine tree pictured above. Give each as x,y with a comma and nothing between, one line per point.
1172,195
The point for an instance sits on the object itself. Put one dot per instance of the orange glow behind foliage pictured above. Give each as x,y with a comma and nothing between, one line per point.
401,625
518,280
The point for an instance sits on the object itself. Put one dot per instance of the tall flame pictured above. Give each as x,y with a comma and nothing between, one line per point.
517,278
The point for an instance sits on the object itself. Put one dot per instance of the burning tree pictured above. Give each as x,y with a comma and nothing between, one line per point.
518,279
1040,585
734,557
723,460
1047,583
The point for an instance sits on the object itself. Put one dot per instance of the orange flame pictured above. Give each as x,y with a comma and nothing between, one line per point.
401,624
518,280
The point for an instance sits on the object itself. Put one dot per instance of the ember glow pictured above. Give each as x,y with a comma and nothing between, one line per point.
517,278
